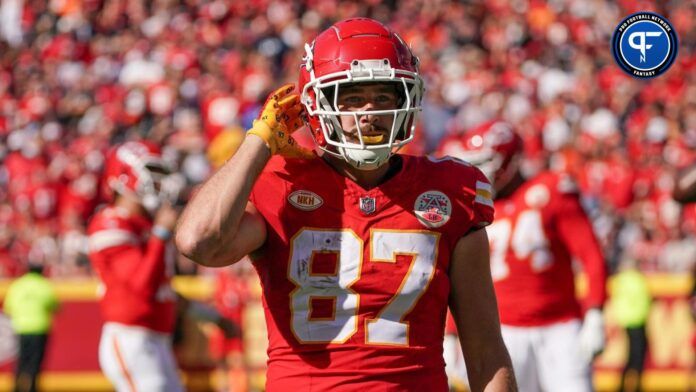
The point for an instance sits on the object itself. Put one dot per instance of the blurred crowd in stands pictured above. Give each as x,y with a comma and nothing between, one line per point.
78,76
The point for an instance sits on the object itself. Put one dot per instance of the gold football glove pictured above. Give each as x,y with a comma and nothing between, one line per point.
279,118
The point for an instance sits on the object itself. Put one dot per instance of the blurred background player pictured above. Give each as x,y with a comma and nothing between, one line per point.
128,248
539,228
31,304
355,248
127,243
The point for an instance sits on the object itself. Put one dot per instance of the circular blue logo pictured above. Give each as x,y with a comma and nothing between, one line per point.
644,45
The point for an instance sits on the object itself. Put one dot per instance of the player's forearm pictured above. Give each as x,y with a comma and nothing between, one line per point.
503,380
595,270
575,230
475,311
492,371
149,269
213,215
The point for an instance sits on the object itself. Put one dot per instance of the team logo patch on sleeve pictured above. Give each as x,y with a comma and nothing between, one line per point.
305,200
433,208
484,193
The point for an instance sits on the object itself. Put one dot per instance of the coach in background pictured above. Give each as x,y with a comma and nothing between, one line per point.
31,304
631,303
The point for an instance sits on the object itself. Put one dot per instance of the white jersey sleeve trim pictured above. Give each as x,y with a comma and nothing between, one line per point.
109,238
484,193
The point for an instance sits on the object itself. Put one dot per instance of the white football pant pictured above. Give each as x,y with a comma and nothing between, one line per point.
136,359
455,367
547,358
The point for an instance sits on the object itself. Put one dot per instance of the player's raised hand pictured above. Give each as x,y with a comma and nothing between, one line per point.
279,118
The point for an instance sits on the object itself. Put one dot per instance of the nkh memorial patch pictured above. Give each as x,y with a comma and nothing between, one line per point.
305,200
433,208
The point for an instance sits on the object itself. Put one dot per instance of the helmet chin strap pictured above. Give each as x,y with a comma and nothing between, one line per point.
366,159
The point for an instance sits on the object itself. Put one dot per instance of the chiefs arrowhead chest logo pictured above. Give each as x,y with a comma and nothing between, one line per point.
305,200
433,208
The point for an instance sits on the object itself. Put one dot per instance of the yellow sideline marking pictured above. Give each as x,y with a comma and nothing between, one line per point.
656,380
660,285
85,289
197,287
95,382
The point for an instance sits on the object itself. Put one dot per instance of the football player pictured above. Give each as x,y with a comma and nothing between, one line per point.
539,228
359,250
127,250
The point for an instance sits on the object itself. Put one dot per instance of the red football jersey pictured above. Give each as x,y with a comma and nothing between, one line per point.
355,281
537,231
131,266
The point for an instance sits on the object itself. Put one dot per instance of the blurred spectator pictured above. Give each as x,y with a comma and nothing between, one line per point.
31,304
630,302
77,77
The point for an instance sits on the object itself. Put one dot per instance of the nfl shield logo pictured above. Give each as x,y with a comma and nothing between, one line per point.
367,205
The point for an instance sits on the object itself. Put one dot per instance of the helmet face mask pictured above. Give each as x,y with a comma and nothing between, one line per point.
368,54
